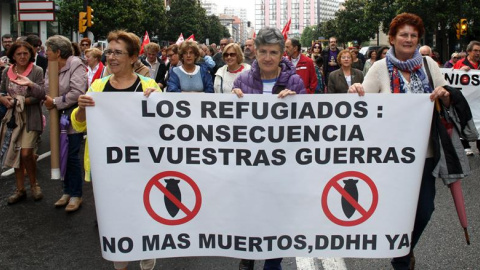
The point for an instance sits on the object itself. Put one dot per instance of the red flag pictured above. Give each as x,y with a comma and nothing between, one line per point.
192,37
180,39
254,35
286,29
146,40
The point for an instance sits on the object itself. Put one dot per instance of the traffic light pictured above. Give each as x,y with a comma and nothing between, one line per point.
463,27
82,21
457,28
89,16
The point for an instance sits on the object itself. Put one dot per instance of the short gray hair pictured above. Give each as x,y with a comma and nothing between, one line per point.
270,36
60,43
471,44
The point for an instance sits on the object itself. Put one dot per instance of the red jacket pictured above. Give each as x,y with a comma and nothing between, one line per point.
306,71
464,62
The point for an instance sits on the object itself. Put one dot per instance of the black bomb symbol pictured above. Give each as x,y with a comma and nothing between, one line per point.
351,188
172,187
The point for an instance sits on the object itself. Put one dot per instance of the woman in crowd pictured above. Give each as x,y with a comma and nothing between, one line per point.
319,72
356,62
226,75
190,77
94,65
341,79
316,50
382,52
23,81
122,53
72,83
404,64
270,74
372,57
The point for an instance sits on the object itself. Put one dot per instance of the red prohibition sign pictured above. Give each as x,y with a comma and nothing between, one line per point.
366,213
155,181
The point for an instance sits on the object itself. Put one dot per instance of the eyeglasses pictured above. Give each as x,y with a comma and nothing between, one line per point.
223,44
316,47
425,54
84,44
114,53
225,55
346,58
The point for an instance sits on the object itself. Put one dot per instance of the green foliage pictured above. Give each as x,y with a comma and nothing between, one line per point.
138,16
307,36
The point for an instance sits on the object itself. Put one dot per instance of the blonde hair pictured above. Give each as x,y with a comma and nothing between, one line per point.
95,53
237,50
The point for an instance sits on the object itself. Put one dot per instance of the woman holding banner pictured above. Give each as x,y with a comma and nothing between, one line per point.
122,53
269,74
402,71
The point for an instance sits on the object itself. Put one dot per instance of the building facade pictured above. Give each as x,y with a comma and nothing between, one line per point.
276,13
210,7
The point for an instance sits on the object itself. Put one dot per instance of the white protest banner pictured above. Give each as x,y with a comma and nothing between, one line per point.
258,177
469,83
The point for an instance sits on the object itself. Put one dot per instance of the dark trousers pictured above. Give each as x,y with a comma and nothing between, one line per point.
425,210
270,264
466,144
73,182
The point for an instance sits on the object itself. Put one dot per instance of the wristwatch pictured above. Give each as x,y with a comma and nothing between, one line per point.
54,102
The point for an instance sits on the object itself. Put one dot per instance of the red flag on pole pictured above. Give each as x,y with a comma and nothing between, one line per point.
180,39
192,37
286,29
254,35
146,40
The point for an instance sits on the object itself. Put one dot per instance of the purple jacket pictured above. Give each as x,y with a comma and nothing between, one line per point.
251,83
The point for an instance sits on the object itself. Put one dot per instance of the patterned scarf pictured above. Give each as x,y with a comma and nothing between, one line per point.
412,65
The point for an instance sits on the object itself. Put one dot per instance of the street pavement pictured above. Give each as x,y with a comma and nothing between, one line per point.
36,235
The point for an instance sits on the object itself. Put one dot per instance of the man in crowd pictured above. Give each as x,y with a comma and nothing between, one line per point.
425,50
36,43
249,51
218,57
7,41
155,65
304,65
330,58
470,62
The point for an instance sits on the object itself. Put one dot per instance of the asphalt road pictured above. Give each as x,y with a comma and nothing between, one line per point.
36,235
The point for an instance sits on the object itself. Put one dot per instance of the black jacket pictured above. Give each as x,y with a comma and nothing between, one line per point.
162,70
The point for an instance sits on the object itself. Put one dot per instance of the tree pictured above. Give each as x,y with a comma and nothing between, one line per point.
353,24
307,36
182,18
153,18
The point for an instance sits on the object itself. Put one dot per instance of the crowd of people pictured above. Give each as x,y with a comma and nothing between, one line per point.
268,64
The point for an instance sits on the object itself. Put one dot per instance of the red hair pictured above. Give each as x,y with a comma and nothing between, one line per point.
406,19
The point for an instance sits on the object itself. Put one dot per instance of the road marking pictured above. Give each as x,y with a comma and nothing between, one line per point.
304,263
333,264
11,170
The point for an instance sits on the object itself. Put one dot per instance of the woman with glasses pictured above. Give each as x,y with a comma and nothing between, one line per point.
122,53
226,75
24,82
270,74
316,50
341,79
190,77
